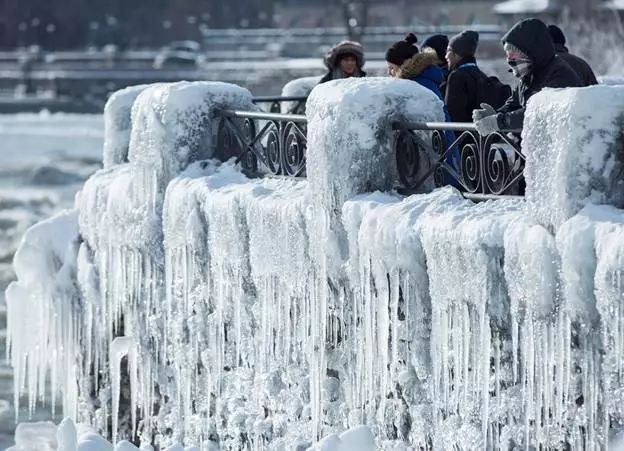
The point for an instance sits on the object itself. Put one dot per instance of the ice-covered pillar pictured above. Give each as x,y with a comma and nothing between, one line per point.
573,140
117,124
175,124
350,135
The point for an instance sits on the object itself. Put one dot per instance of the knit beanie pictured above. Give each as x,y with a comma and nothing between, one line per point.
557,35
402,50
439,43
465,43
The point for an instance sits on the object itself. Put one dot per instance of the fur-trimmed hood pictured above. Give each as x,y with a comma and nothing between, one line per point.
344,48
417,64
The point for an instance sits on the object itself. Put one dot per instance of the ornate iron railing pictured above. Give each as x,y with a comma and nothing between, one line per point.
482,167
264,142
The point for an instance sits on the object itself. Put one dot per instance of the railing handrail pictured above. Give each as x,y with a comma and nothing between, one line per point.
269,99
451,126
300,118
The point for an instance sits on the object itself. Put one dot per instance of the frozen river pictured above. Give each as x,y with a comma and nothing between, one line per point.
44,160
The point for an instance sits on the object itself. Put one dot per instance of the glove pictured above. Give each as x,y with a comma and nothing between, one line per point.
487,125
485,111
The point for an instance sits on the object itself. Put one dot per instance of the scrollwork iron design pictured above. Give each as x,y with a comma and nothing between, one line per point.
275,145
477,165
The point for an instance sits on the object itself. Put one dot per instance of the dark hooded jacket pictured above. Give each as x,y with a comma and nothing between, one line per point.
334,55
462,90
548,70
580,66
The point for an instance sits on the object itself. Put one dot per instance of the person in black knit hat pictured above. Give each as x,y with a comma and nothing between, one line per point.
580,66
438,43
466,84
406,62
401,51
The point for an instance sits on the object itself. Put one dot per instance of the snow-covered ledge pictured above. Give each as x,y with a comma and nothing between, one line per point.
573,140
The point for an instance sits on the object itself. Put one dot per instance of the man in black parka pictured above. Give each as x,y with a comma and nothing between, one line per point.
531,56
461,96
580,66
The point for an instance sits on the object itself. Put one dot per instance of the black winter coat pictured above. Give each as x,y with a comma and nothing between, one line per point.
548,71
461,96
580,66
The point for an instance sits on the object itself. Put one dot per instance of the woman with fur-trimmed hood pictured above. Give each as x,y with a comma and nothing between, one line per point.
344,60
406,62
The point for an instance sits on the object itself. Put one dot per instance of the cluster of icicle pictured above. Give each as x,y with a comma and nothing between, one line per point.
448,325
210,308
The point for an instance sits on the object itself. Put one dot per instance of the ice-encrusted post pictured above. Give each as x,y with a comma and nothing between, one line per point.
350,151
176,124
350,134
172,125
117,124
573,140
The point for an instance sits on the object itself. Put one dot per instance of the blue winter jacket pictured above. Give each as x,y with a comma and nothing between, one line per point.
423,69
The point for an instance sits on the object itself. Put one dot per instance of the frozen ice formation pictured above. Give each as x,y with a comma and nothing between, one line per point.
118,125
188,305
573,143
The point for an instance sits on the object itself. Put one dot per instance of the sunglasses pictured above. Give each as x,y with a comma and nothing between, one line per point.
518,62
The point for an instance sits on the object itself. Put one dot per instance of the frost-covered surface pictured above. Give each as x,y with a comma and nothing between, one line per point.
350,132
43,327
612,80
299,87
117,123
173,124
573,151
235,313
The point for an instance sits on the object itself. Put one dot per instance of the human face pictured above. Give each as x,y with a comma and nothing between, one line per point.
348,65
452,58
520,64
393,69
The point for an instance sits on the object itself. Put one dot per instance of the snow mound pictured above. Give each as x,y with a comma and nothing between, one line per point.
573,151
117,124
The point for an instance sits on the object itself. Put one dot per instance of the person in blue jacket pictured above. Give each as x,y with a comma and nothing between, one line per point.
407,62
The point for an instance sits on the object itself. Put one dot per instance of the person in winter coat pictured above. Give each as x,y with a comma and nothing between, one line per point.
532,58
580,66
344,60
462,84
406,62
438,43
